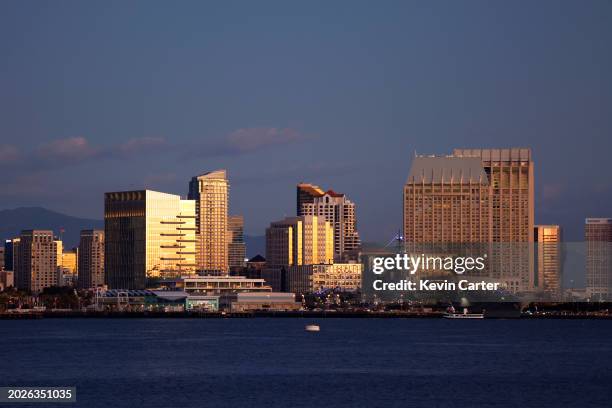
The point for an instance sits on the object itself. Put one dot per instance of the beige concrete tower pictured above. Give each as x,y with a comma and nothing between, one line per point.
511,178
476,196
447,200
91,259
35,255
598,237
211,194
510,172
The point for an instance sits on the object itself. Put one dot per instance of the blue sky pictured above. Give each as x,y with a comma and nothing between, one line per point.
103,96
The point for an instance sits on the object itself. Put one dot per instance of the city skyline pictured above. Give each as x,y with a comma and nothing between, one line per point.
271,203
314,93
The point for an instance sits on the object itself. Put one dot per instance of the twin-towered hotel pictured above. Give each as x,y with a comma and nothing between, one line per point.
475,200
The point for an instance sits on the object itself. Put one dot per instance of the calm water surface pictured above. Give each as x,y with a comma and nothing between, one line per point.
350,363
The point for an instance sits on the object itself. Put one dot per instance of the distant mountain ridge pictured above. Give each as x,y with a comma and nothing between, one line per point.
14,220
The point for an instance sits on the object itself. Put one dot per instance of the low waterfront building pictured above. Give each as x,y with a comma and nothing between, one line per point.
272,301
217,285
203,303
345,277
225,287
156,300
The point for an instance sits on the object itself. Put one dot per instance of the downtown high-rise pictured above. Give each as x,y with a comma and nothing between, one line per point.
91,259
210,191
477,200
598,238
303,240
148,235
336,209
35,255
236,247
548,258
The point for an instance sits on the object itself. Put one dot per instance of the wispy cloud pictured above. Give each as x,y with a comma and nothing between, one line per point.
8,154
246,140
74,151
68,150
140,145
251,139
65,152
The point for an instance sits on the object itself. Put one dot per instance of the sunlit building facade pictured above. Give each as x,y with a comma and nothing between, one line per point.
68,267
303,240
447,200
211,194
91,259
598,238
35,260
511,177
548,258
476,198
148,235
336,209
306,194
69,260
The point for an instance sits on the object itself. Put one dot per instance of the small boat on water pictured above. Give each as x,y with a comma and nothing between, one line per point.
313,328
451,314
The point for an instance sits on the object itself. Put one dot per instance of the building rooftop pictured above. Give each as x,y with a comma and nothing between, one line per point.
447,169
506,154
257,258
598,221
332,193
215,174
311,189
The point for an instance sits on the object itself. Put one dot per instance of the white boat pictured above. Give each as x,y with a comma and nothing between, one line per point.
313,328
465,315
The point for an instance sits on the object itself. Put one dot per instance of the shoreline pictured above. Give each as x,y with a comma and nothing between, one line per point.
280,314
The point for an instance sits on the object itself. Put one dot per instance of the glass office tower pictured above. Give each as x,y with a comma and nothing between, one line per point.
148,235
